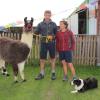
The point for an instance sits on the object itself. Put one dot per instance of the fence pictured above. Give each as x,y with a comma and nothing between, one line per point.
85,52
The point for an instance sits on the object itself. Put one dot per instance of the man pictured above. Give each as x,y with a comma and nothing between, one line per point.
48,29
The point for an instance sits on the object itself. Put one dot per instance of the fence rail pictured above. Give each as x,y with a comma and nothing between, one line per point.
85,52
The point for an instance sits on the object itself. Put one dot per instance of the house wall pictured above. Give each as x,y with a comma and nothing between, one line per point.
73,23
92,18
92,26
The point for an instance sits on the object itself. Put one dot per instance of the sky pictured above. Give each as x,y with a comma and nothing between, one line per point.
15,10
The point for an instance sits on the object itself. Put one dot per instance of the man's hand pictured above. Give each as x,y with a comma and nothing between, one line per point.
49,37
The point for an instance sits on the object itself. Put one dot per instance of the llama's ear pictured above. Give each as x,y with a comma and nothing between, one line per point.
25,19
32,19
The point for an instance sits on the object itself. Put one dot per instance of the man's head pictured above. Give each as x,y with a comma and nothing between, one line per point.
28,24
47,15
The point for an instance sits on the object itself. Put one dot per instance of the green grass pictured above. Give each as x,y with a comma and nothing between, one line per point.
46,89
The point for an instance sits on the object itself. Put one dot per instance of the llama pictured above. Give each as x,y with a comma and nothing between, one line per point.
16,52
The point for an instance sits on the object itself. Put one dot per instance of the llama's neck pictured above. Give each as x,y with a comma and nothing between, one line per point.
27,38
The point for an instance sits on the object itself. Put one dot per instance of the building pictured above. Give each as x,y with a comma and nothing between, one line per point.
86,18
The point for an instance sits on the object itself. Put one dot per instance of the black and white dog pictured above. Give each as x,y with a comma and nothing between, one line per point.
84,85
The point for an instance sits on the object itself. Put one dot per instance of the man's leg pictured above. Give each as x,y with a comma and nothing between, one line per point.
52,61
43,56
51,48
42,65
53,75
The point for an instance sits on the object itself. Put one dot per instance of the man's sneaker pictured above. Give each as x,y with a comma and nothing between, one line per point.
53,76
65,78
39,77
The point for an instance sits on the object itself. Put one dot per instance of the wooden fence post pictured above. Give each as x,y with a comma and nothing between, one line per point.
98,50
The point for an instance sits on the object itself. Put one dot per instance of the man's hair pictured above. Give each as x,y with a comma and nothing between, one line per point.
47,12
65,23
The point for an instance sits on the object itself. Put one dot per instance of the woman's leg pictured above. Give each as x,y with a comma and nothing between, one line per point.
70,65
64,69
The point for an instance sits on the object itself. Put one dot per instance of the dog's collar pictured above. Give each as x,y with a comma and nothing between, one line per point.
79,87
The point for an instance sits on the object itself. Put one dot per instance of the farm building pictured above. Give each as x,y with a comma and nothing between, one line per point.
85,19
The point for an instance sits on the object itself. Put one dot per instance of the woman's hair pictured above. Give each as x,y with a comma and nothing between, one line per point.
65,23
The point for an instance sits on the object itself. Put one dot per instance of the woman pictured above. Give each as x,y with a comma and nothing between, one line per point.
65,43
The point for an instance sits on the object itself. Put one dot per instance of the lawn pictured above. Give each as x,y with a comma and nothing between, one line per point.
47,89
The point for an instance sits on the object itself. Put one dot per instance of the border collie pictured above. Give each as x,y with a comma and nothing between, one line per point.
84,85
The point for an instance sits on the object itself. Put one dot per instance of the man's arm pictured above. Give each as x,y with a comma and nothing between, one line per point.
55,28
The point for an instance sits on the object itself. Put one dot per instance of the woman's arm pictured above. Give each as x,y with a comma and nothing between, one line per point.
72,41
57,42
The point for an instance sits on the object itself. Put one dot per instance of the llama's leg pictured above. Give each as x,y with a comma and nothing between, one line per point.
4,71
21,70
0,64
3,68
15,71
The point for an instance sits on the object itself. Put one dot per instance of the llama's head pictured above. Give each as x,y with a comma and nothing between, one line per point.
28,24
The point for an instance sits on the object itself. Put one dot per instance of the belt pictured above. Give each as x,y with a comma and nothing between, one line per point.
48,38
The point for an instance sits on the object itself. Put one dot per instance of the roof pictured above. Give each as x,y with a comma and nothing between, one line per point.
77,9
